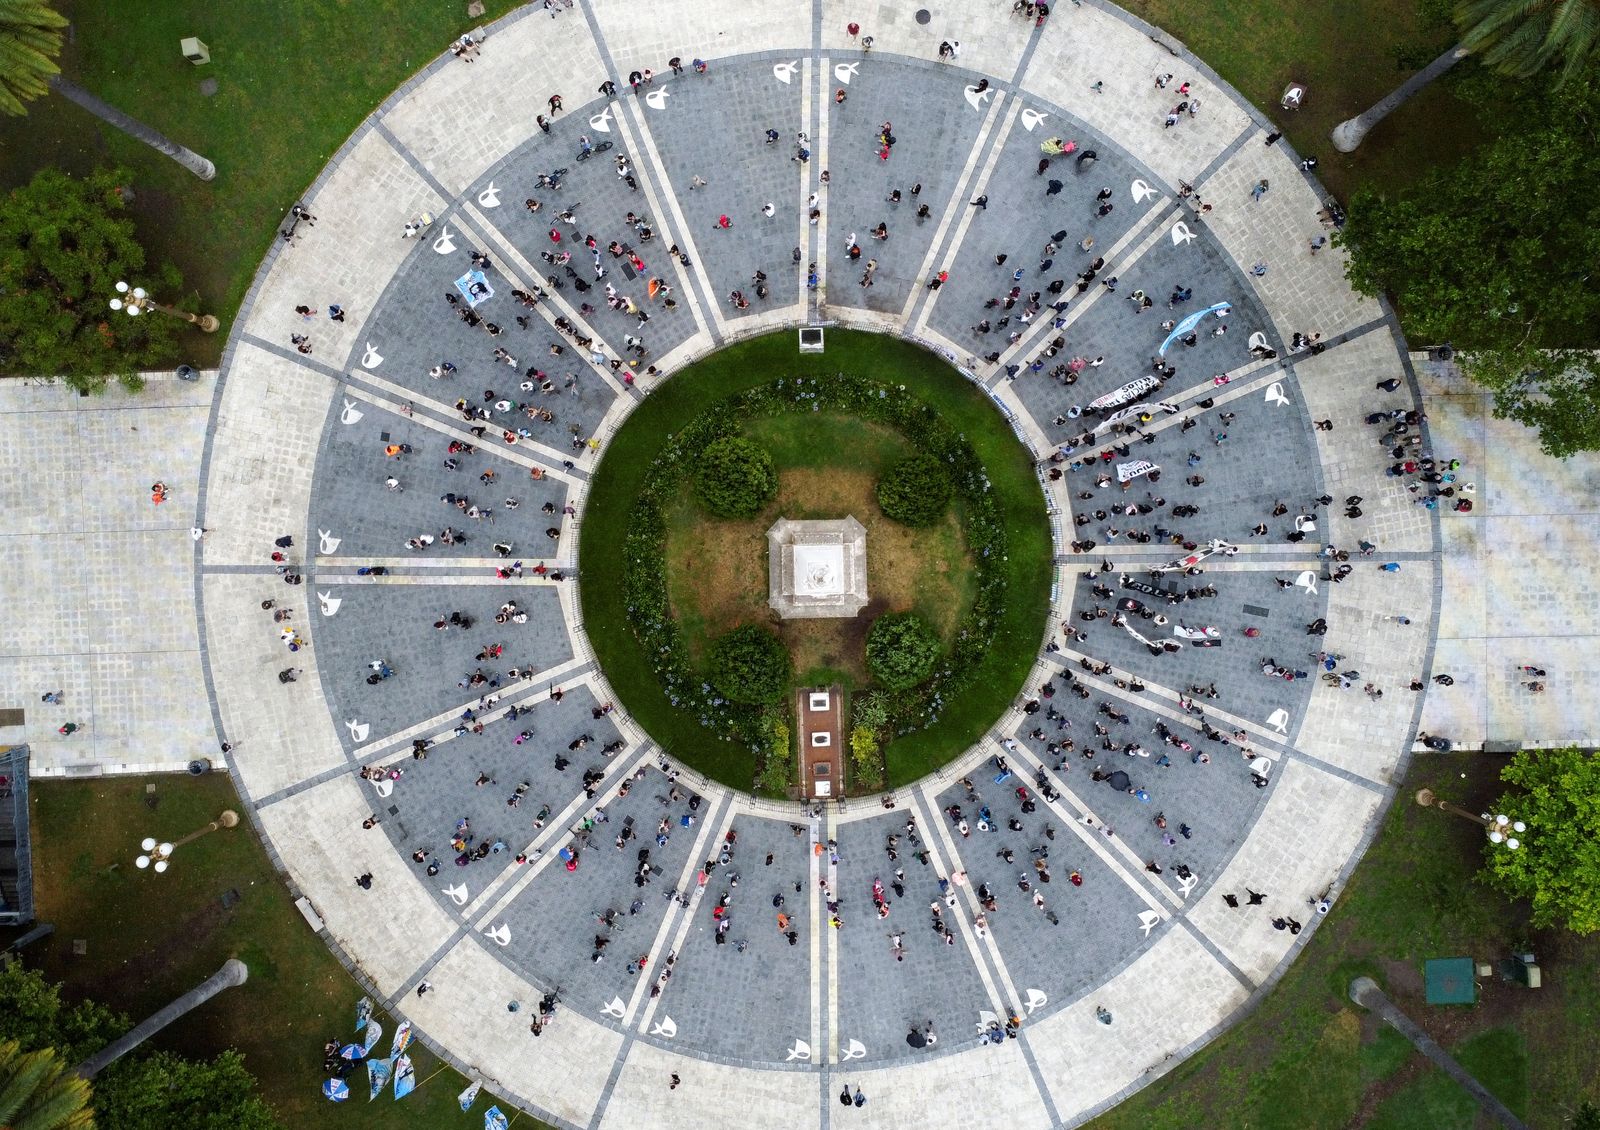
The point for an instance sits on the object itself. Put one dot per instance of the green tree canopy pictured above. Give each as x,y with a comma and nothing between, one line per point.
39,1092
1496,255
901,650
916,491
750,664
1557,866
162,1091
30,40
735,478
65,242
33,1014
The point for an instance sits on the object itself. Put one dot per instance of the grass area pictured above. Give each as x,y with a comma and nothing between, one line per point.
151,937
747,364
288,96
828,467
1348,56
1497,1058
1308,1058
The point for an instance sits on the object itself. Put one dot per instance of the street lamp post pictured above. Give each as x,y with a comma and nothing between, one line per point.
1500,829
158,853
135,301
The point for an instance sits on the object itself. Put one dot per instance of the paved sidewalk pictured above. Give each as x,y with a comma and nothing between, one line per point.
1515,574
98,582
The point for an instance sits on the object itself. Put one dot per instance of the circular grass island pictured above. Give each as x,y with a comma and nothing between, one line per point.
675,577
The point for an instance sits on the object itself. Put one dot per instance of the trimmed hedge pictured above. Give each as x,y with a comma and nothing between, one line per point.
916,491
735,478
750,664
901,650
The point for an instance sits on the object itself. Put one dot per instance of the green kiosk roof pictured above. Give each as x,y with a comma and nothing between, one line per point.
1450,980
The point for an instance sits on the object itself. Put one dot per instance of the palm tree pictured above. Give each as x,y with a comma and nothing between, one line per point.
39,1092
1517,37
1522,37
134,128
233,972
30,40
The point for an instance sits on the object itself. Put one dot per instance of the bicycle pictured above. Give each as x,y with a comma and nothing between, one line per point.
585,154
553,179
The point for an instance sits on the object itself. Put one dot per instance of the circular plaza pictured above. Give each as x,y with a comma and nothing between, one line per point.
1178,769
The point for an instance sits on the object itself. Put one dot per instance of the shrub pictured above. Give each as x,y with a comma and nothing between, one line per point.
866,766
778,765
750,664
870,711
916,491
735,478
901,650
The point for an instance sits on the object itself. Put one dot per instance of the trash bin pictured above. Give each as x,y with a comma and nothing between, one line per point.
188,373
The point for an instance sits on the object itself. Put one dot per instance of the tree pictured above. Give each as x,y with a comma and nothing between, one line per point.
1523,37
30,40
901,650
39,1092
232,974
1557,866
735,478
750,664
916,491
65,242
33,1014
162,1090
134,128
1495,255
1518,38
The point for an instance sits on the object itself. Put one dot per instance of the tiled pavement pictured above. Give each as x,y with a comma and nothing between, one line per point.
289,445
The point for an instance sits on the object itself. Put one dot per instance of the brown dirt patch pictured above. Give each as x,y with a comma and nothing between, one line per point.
717,571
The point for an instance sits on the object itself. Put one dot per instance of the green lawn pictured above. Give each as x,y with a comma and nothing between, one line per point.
747,364
289,96
1308,1059
1347,56
150,937
828,466
295,78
